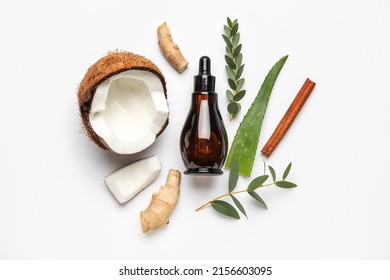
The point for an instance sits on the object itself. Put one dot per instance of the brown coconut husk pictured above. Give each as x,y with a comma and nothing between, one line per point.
107,66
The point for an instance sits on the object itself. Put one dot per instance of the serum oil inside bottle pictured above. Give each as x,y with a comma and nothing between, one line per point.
203,141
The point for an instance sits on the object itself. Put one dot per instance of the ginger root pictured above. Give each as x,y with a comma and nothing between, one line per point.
162,204
169,49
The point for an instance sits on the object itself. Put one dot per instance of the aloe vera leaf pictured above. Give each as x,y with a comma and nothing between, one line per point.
245,141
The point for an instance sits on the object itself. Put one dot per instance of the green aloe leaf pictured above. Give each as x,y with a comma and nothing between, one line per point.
233,176
286,171
256,196
246,140
257,182
273,173
285,184
239,205
225,209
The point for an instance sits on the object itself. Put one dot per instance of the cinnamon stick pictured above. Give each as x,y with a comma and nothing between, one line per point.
288,117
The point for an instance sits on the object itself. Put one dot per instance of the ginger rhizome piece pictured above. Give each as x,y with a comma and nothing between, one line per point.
169,49
162,204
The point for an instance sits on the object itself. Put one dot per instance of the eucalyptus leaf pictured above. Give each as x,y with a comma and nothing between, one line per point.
229,52
234,29
236,39
229,95
233,176
235,21
229,22
239,95
240,83
239,72
285,184
227,41
232,84
239,60
230,62
239,205
286,171
237,50
225,209
257,182
233,108
273,173
227,30
229,72
256,196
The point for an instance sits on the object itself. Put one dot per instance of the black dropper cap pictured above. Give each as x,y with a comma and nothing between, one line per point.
204,81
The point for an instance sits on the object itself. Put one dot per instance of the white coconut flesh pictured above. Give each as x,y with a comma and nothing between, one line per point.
128,110
128,181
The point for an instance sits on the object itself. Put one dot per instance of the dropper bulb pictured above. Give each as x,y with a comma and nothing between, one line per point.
204,65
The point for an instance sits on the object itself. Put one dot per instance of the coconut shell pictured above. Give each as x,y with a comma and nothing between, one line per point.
107,66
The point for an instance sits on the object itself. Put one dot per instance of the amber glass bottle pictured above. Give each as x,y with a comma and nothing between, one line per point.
203,140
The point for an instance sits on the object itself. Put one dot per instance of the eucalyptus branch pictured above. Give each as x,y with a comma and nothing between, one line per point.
229,210
234,66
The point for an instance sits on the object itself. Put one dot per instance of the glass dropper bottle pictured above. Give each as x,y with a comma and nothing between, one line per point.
203,141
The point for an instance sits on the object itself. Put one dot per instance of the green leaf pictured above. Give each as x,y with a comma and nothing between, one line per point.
227,41
225,209
235,21
256,196
273,173
237,50
239,95
246,140
232,84
285,184
239,72
229,95
286,171
239,60
230,72
229,52
239,205
227,30
229,22
234,29
240,83
233,108
233,176
230,62
264,165
257,182
236,39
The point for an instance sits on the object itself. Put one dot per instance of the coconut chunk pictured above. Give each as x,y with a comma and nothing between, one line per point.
128,181
128,111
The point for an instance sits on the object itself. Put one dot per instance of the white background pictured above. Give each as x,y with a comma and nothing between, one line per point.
54,203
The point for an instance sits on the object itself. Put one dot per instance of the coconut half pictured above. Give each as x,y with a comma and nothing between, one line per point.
123,102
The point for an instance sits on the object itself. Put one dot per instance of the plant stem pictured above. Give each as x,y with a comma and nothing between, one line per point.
228,194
